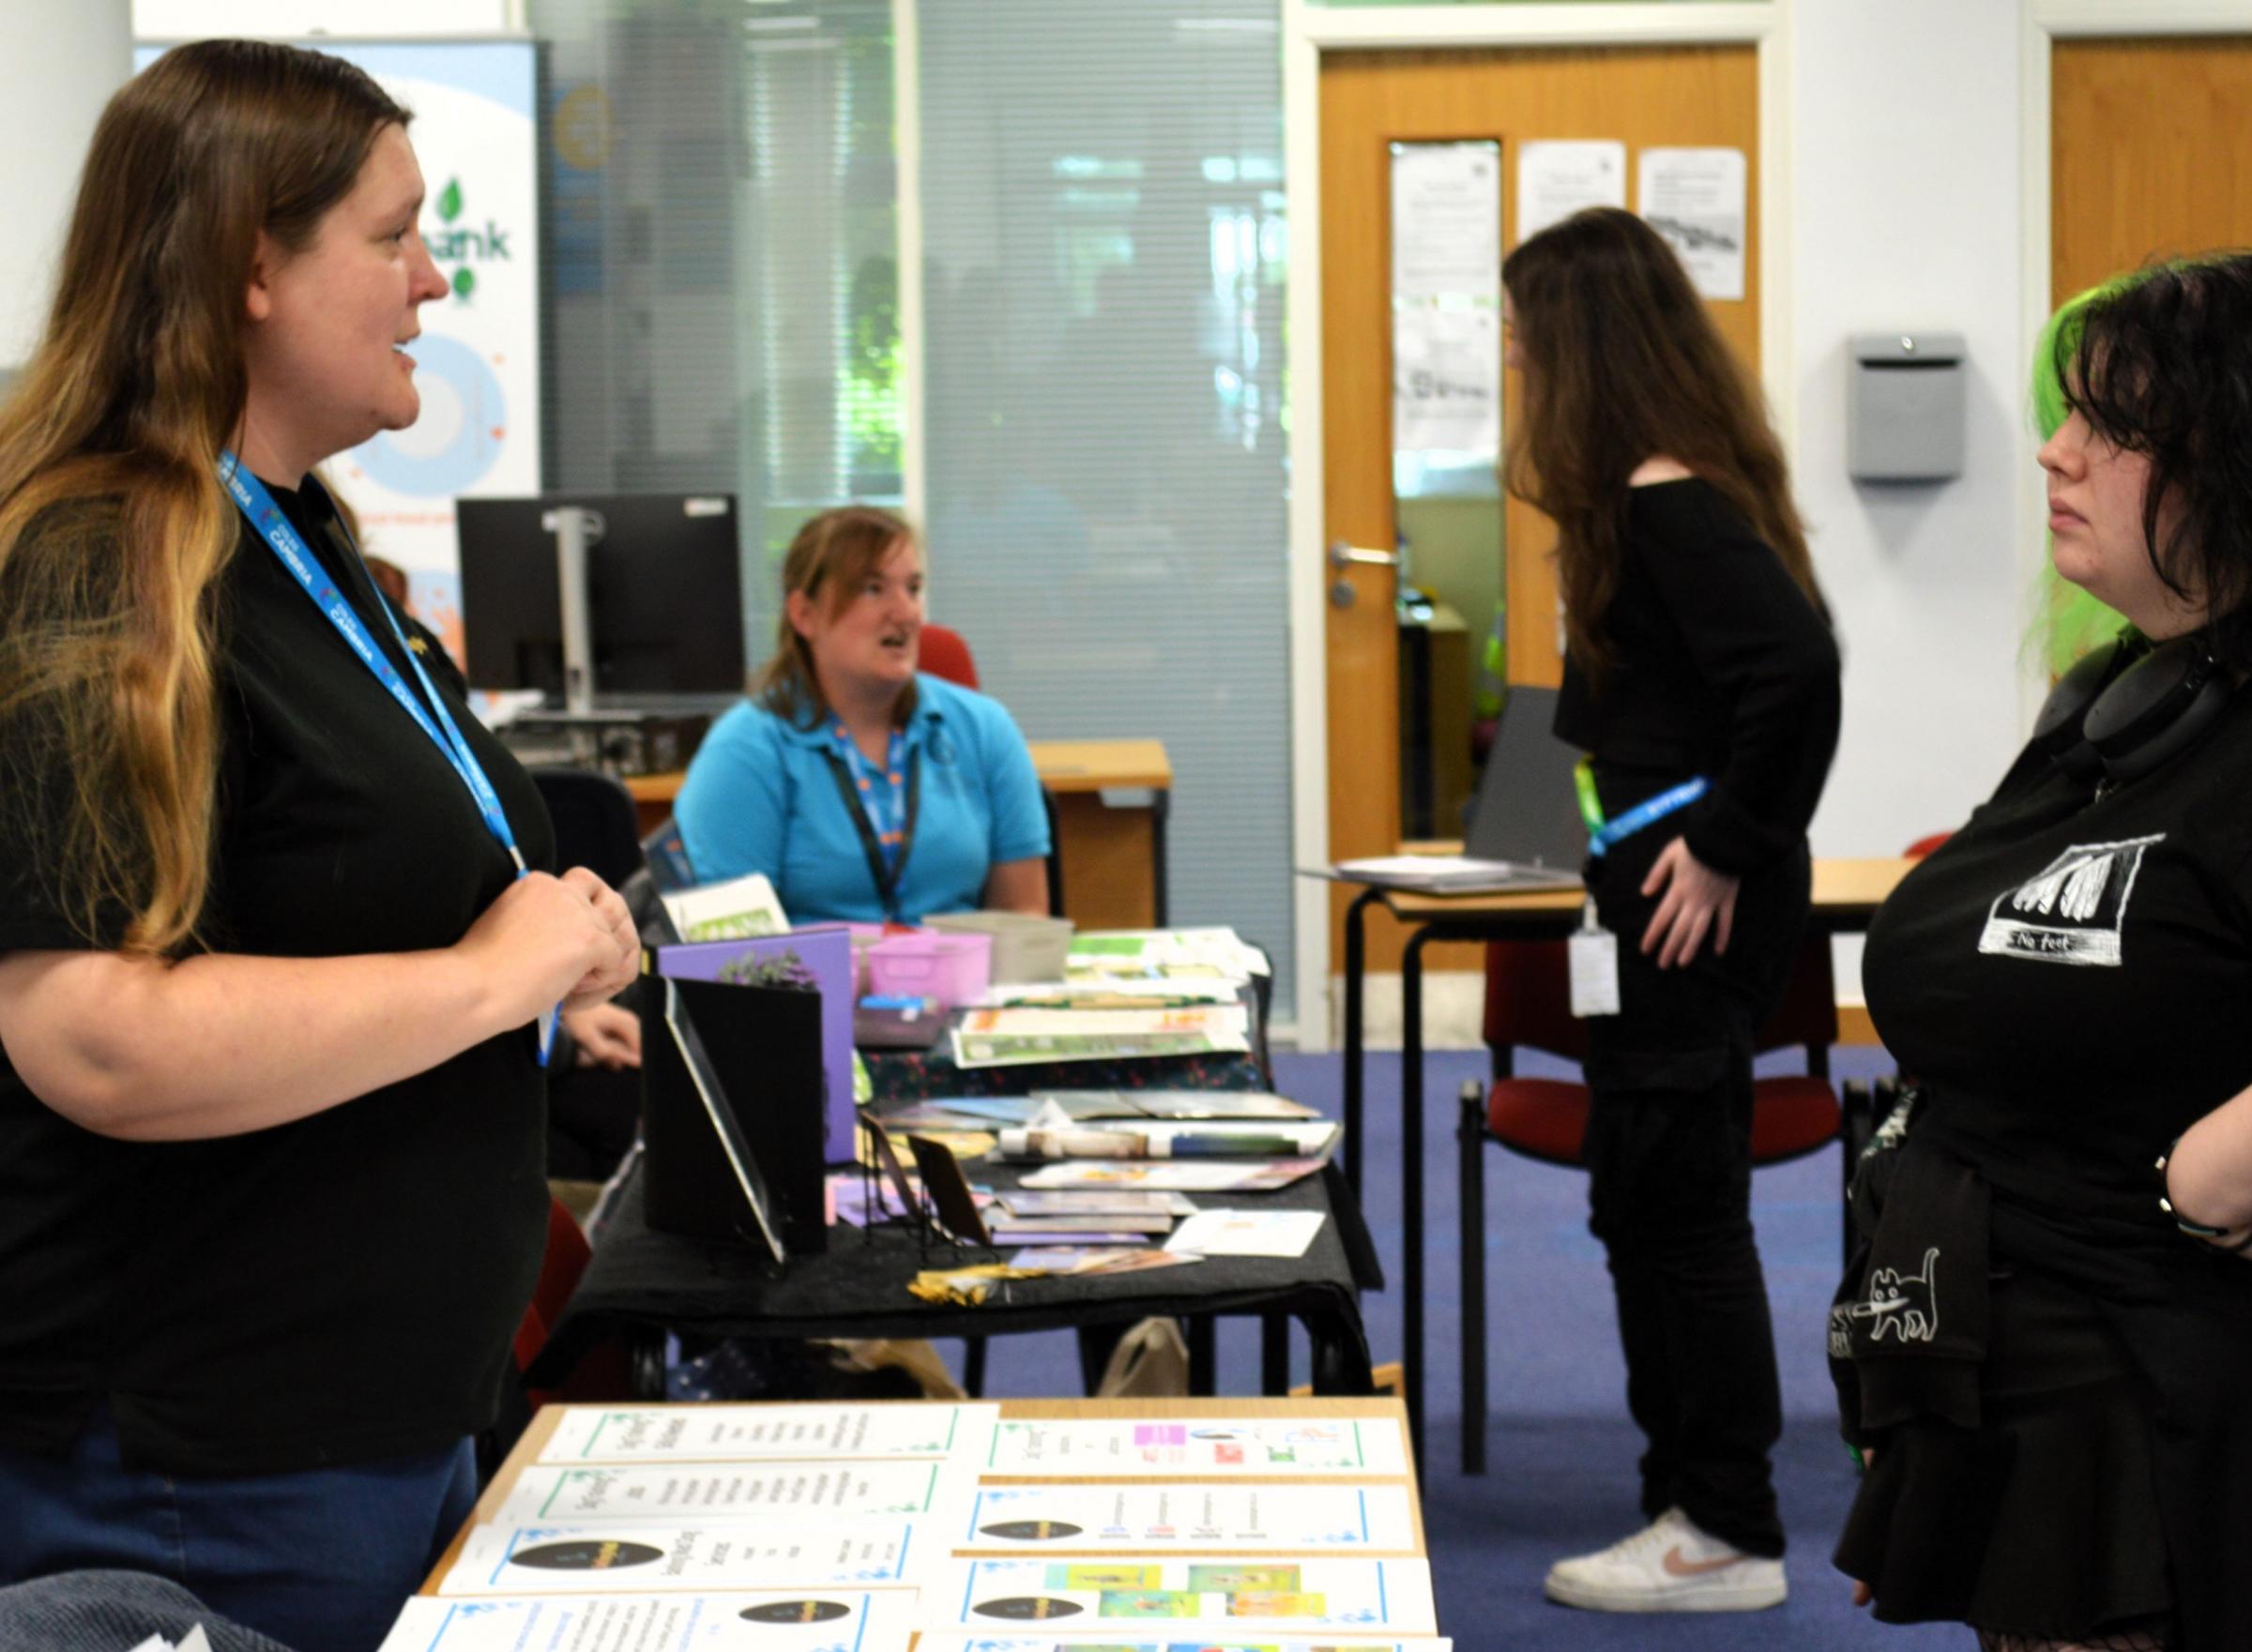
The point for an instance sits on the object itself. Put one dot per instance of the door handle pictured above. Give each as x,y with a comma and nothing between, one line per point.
1342,557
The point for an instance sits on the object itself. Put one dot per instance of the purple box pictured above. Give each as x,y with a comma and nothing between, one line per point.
825,952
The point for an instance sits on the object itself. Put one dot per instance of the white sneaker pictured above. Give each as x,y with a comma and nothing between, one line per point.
1668,1565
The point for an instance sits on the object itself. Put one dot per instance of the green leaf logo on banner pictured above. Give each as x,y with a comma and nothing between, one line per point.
464,282
449,202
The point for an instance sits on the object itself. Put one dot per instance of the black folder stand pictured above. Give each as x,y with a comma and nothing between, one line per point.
733,1120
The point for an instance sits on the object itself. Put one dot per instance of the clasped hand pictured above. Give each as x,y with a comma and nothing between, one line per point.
549,940
1696,900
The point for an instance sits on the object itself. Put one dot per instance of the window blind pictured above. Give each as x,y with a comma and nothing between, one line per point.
1105,250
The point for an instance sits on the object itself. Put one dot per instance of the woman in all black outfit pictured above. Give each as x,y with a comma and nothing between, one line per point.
1701,677
275,934
2045,1345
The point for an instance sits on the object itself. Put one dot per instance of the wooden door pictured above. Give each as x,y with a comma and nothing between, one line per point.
2149,154
1684,96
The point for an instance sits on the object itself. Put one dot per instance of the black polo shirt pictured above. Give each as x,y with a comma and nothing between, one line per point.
340,1288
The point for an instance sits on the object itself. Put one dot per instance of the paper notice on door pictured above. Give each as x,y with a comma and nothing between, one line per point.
1555,179
1696,198
1446,369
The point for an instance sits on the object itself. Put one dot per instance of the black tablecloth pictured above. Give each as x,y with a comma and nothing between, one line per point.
642,1279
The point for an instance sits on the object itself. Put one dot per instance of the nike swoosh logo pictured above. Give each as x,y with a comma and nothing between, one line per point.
1677,1567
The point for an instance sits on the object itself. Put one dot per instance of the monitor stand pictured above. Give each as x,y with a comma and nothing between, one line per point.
576,530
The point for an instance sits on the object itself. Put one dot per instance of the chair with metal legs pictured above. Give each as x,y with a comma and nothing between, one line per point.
1528,1004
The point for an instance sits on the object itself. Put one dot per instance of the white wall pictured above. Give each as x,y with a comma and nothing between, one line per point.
55,78
1906,135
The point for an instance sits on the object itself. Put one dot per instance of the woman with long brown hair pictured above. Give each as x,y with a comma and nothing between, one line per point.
1701,679
276,941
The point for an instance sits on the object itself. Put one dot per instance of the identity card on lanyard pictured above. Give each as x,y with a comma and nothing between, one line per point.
257,506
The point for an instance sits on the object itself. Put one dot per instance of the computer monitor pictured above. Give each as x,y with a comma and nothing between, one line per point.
664,595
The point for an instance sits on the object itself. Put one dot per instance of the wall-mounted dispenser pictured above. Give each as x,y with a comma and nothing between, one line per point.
1904,407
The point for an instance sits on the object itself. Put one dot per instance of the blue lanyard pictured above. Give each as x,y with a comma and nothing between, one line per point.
882,792
257,506
1646,812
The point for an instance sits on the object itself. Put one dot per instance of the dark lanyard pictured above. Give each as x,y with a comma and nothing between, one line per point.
886,871
258,508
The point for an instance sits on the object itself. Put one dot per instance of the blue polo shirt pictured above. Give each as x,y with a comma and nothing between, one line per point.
760,797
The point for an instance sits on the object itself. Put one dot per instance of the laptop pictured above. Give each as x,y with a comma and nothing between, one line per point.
1526,811
1523,831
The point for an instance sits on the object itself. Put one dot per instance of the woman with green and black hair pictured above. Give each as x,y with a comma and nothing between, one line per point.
2041,1345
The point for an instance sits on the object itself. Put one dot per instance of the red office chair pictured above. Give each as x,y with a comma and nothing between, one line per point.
944,654
1528,1002
601,1375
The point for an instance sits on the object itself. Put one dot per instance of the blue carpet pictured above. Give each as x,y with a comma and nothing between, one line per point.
1560,1447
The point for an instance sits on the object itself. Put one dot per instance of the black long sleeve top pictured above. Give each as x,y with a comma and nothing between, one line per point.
1722,668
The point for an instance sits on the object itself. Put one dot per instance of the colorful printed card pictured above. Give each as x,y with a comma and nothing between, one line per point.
830,1621
1089,1599
1093,1447
548,1495
1376,1519
746,1433
633,1558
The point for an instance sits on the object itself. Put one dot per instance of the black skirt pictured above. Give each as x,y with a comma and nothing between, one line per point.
2043,1521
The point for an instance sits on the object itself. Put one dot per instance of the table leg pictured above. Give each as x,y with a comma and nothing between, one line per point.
1356,964
1160,810
1204,1357
1411,1182
1274,1353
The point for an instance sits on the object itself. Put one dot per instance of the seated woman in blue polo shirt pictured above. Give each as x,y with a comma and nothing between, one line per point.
862,789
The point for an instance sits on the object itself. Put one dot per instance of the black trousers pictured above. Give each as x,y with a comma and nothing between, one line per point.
1669,1156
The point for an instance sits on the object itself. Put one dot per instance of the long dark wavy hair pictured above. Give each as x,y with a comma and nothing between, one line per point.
114,528
2161,366
1622,363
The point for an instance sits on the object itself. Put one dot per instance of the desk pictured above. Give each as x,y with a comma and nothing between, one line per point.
1114,859
642,1281
1847,894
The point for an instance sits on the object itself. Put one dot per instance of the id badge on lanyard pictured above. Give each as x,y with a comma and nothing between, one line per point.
266,517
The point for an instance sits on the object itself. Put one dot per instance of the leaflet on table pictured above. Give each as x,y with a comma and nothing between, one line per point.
1036,1227
631,1557
1080,1259
1109,1034
1205,954
1161,1640
781,1620
1092,1202
1180,1176
1095,1597
749,1432
549,1494
1108,994
954,1112
1247,1233
1089,1448
1294,1518
733,911
1279,1138
1448,874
